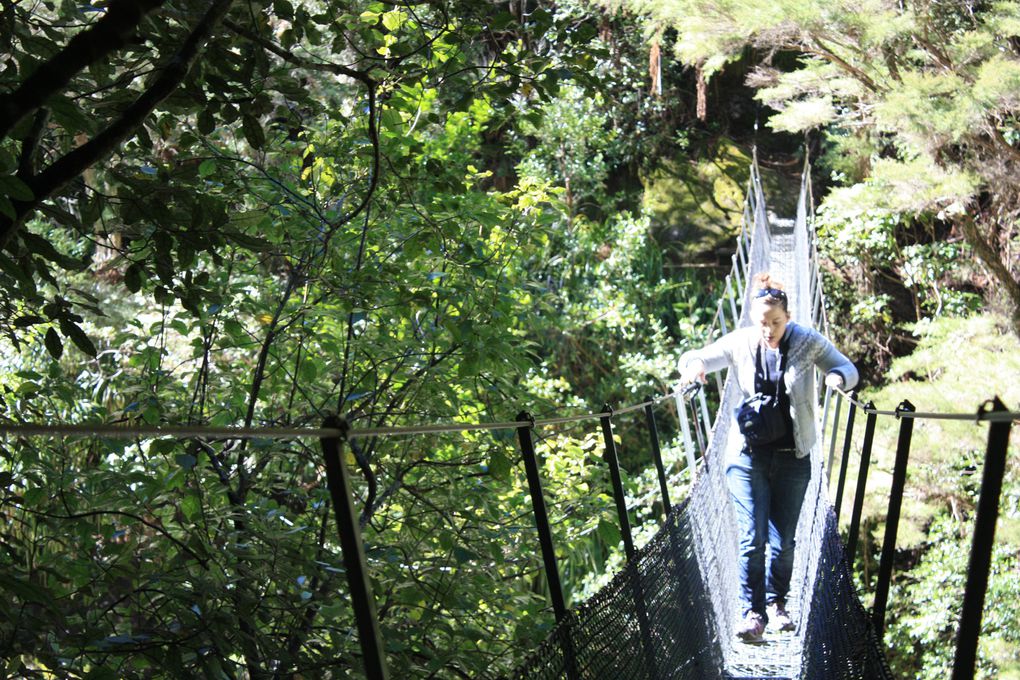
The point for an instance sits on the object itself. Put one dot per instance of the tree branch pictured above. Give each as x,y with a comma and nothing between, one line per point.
72,164
107,35
31,142
291,58
823,51
991,258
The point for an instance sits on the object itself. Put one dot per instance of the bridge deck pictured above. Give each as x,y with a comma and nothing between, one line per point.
779,656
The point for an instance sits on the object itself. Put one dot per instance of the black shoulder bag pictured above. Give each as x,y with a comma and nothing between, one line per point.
760,417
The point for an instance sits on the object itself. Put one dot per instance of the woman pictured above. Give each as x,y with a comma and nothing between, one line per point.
767,481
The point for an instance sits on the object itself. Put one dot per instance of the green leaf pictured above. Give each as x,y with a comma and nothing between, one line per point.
72,330
309,371
250,242
53,344
253,131
163,244
191,506
133,277
206,122
393,19
28,320
499,464
34,496
207,167
391,120
7,208
40,246
186,460
15,188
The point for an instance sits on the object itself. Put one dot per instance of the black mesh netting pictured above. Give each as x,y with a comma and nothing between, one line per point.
612,636
839,640
674,635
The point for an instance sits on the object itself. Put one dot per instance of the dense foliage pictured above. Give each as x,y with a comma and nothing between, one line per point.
917,104
260,214
943,486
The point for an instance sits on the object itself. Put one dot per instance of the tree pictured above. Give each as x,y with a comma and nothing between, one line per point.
918,100
301,219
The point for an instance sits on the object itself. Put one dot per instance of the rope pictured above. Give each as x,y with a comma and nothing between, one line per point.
980,416
132,431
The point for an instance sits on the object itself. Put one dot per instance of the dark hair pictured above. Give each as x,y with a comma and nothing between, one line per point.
770,291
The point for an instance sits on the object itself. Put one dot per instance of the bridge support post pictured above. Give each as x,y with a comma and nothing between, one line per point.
552,571
862,483
981,547
355,564
892,518
614,472
847,440
685,430
653,436
628,542
832,439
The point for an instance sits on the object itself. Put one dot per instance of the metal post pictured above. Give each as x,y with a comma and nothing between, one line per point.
702,444
832,439
892,517
981,547
847,440
653,436
722,317
862,482
733,301
685,430
706,419
614,472
552,571
825,410
628,542
353,549
735,267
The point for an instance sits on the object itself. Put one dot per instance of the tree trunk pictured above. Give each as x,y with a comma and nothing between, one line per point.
988,254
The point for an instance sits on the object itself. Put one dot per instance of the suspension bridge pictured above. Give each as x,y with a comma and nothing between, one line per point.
670,613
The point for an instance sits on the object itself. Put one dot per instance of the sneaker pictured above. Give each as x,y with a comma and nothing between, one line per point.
779,616
752,627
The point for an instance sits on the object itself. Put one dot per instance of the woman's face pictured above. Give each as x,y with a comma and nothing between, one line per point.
771,319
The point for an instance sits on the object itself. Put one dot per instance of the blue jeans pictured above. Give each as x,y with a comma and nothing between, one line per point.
767,489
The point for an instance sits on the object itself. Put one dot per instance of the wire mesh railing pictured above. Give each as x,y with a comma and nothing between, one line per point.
1000,421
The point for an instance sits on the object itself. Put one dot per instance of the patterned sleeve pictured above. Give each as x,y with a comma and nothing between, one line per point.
831,360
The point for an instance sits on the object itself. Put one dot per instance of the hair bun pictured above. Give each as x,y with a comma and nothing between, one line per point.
765,280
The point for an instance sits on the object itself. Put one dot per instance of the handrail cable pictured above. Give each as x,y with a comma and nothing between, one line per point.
991,417
126,431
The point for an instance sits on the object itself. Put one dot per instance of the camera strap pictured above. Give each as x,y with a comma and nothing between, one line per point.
761,372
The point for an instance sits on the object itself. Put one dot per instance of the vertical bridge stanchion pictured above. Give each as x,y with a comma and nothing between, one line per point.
862,482
552,572
614,471
981,548
628,541
685,431
653,438
847,440
353,549
892,518
706,420
832,439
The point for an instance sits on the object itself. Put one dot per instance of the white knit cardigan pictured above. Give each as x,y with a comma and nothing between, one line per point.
807,348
